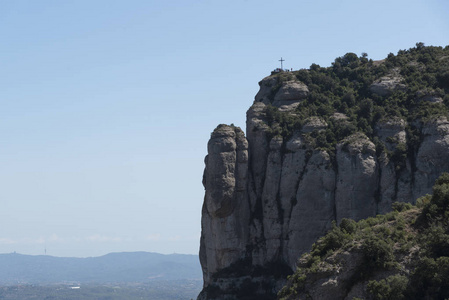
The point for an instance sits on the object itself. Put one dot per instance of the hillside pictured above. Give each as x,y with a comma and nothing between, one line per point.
321,145
401,255
125,267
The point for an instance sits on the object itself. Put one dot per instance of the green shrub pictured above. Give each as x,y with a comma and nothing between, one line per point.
436,241
430,279
334,239
393,287
378,253
423,201
439,202
348,225
401,206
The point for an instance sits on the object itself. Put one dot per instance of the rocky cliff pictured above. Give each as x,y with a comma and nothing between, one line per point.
321,145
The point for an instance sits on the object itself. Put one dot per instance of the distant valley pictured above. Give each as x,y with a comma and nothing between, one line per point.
132,275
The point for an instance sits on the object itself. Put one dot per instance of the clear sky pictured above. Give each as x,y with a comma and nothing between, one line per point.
106,106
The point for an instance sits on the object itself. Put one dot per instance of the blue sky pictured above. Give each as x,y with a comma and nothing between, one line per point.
106,107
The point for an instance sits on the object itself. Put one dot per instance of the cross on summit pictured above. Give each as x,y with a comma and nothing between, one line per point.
281,69
282,60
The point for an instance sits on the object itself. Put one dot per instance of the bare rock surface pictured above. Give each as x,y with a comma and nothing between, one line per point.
429,96
391,131
283,92
225,208
290,93
339,116
357,179
388,84
313,123
432,155
267,86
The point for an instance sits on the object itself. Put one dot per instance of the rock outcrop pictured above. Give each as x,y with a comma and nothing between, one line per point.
388,84
225,208
270,196
284,94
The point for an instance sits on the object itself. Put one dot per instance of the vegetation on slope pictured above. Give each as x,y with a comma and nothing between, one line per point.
401,255
345,88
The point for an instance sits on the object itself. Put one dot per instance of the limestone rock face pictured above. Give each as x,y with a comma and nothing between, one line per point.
388,84
313,123
225,208
429,96
312,208
339,116
267,86
432,98
268,198
391,132
283,92
432,155
290,91
394,186
357,180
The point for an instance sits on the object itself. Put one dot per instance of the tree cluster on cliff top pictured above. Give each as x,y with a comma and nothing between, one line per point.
345,88
405,253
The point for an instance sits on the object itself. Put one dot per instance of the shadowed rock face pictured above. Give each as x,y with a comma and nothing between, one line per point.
268,198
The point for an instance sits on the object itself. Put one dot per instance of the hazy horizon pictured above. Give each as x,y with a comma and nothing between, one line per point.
121,252
107,107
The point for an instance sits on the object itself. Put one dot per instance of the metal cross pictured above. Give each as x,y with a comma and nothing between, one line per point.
281,60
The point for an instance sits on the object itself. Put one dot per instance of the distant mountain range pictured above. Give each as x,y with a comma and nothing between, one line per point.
124,267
